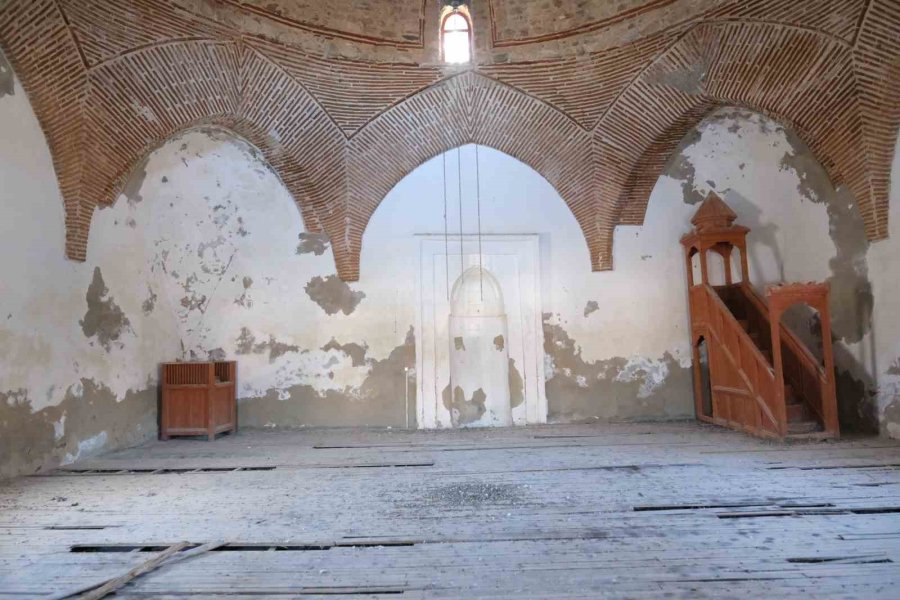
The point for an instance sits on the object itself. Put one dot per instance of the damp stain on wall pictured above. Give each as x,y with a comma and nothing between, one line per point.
89,419
380,400
333,295
616,388
103,319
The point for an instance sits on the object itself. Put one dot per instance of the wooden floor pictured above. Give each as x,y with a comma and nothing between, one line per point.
613,511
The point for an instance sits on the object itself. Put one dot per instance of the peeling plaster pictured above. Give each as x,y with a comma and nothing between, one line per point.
378,401
135,182
313,243
516,385
464,411
636,388
7,78
356,352
459,344
88,420
333,294
499,343
591,307
689,80
246,344
103,319
851,302
851,298
149,304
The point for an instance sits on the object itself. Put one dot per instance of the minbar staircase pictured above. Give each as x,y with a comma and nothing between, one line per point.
750,371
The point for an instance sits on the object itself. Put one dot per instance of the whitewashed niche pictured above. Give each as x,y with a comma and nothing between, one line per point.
514,264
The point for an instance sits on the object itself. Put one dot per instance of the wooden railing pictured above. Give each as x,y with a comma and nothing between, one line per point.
749,374
743,383
801,369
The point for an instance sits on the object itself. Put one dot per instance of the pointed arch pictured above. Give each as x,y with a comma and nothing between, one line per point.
802,78
145,98
467,109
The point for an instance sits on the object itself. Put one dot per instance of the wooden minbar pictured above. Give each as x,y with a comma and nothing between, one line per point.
198,398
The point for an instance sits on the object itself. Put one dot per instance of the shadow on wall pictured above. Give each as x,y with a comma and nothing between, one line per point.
719,145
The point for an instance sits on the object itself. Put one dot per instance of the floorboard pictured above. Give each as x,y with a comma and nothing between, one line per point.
676,510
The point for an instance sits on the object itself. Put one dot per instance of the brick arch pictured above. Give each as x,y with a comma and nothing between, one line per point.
140,100
466,109
809,86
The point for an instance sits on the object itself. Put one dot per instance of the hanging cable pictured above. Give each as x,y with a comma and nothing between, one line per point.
478,205
459,196
446,231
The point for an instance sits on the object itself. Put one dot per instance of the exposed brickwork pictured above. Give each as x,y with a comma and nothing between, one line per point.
809,85
466,109
876,58
344,98
399,24
517,22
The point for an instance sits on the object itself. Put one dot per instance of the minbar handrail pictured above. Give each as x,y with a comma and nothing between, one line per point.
721,315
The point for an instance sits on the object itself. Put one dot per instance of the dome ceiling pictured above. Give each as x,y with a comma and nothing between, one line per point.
345,97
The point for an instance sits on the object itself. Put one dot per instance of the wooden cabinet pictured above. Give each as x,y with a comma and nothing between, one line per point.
198,398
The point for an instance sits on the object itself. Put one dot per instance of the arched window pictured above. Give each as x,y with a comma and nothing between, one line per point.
456,38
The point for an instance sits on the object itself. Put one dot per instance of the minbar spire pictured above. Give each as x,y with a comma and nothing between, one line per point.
713,214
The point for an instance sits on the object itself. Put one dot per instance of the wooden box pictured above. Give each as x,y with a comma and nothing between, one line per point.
198,398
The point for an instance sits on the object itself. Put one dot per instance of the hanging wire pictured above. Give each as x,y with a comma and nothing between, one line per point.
446,233
459,196
478,205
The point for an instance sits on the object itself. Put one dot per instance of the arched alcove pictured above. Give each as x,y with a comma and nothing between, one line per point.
477,293
515,198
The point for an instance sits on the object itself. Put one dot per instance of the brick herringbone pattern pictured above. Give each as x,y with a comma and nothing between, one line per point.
112,81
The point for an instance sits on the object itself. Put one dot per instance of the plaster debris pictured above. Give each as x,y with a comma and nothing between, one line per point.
475,493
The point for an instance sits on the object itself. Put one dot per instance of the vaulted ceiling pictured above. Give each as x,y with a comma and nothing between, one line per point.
345,97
